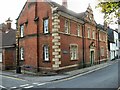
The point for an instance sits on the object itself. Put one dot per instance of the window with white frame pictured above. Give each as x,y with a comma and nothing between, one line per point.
46,25
22,30
88,32
93,34
0,56
21,53
102,51
46,52
67,26
74,52
78,30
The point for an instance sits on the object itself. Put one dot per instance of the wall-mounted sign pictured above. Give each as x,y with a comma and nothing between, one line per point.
65,52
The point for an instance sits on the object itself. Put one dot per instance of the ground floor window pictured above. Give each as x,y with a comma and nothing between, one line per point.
21,53
74,52
46,53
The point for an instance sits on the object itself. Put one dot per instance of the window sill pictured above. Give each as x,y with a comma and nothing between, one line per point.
73,59
46,61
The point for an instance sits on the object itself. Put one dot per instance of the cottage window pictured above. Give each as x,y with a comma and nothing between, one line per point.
74,52
21,30
21,53
46,52
78,30
102,51
67,26
46,23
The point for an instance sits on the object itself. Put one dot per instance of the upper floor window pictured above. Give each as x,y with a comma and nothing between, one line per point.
45,26
99,36
93,34
88,32
67,26
46,52
21,30
74,52
21,53
78,30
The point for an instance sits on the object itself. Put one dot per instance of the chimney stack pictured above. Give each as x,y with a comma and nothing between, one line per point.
64,3
105,25
9,23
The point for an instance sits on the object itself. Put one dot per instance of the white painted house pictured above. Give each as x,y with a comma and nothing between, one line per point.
114,46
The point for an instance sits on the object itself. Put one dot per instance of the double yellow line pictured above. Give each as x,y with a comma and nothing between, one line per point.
15,78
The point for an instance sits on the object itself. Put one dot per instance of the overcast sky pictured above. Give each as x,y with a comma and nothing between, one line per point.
12,8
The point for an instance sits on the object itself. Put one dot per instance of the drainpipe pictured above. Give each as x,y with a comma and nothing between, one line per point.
99,46
83,42
37,22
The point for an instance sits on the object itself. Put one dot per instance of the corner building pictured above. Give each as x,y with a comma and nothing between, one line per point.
52,37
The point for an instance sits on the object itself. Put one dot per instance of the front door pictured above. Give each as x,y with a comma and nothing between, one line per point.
92,57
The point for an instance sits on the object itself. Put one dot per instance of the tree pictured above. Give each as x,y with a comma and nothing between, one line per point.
111,10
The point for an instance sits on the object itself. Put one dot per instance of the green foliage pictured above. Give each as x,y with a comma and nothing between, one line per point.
110,9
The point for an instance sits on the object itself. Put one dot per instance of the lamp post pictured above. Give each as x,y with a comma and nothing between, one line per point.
18,68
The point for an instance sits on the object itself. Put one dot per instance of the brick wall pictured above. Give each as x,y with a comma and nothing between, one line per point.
9,59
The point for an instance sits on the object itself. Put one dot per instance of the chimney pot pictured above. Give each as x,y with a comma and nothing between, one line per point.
8,23
64,3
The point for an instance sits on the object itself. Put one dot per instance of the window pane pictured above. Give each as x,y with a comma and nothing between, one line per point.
0,57
46,53
67,26
21,30
22,53
78,30
74,52
46,26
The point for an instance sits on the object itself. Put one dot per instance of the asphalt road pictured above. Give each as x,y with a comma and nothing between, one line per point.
104,78
11,82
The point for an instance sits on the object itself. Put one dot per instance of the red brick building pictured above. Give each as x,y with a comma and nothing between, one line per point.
7,46
53,37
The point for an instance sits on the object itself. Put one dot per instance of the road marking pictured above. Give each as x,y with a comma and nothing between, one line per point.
41,84
24,85
13,87
35,83
13,78
2,86
28,87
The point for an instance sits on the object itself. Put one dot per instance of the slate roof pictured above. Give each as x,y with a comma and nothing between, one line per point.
7,39
110,35
60,8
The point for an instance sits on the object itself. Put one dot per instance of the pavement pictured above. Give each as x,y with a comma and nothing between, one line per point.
65,75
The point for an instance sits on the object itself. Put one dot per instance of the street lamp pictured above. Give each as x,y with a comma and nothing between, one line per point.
18,68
